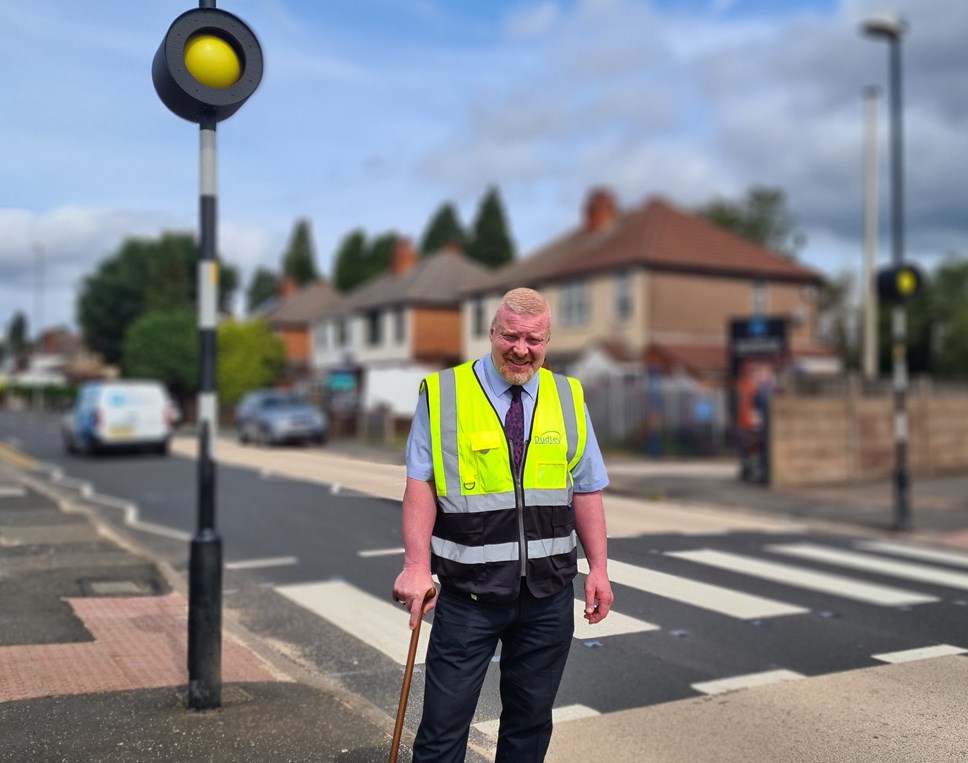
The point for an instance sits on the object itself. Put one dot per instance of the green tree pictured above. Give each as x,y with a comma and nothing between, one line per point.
249,356
142,276
379,254
442,229
491,244
350,268
762,217
263,285
164,346
299,261
17,333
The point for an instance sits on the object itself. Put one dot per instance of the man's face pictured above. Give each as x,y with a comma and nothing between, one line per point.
518,344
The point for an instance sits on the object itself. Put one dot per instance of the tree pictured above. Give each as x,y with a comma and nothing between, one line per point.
299,261
164,346
491,244
249,356
17,333
442,229
350,268
263,285
142,276
762,217
379,254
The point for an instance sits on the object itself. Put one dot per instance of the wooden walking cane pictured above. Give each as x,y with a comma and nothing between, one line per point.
407,676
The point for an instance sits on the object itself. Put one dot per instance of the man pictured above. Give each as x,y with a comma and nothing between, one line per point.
504,476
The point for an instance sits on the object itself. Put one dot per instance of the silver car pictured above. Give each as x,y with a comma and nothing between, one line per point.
276,416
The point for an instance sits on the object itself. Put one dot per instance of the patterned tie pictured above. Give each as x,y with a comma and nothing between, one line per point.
514,424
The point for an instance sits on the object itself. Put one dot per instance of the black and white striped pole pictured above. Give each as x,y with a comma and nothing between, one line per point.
207,66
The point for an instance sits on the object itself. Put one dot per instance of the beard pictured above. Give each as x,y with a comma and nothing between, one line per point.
516,374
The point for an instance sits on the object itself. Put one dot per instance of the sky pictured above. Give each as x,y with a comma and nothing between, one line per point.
371,114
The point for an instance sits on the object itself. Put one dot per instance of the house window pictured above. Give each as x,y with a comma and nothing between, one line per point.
623,296
399,325
479,318
759,299
574,303
374,334
322,336
342,333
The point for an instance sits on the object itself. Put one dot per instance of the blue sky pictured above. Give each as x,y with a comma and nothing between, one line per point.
373,113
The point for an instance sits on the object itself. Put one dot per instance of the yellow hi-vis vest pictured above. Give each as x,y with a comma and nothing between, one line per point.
494,526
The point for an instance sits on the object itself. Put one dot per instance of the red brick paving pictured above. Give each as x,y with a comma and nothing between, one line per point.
139,643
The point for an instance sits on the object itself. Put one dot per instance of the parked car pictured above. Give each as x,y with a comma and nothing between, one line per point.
275,416
125,413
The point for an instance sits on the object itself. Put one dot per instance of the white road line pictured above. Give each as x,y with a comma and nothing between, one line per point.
956,558
748,681
799,577
378,623
380,552
616,624
725,601
12,492
922,573
253,564
558,715
923,653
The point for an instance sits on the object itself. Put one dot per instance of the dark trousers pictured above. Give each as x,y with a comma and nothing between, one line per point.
535,636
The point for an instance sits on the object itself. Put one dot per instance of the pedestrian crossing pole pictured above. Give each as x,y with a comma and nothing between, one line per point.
207,66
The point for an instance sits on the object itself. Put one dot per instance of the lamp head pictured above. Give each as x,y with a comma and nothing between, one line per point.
889,25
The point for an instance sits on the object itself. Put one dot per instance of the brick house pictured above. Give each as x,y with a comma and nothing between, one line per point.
653,287
290,316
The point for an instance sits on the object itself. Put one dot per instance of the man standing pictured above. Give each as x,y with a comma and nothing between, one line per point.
504,477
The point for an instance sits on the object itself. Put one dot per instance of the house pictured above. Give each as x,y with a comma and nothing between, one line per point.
290,316
395,328
654,287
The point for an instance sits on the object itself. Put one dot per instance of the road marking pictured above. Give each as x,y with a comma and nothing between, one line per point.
799,577
378,623
558,715
253,564
725,601
923,653
959,559
616,624
380,552
8,491
855,560
749,681
16,456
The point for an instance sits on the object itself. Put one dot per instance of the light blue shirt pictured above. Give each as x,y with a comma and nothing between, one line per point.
589,474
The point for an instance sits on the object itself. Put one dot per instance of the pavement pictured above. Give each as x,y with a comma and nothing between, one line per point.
93,630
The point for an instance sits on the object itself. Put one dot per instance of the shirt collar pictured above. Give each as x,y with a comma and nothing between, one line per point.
499,385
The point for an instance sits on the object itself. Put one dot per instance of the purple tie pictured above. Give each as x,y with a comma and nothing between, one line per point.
514,424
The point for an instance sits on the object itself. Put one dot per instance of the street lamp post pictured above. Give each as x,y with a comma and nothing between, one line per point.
892,27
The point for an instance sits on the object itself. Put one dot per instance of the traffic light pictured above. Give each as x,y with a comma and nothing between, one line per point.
898,283
210,62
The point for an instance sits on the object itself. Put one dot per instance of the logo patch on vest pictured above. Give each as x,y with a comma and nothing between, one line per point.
547,438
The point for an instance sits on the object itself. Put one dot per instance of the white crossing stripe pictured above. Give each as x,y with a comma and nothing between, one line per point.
616,624
558,715
12,491
923,653
922,573
380,552
378,623
957,558
799,577
704,595
253,564
748,681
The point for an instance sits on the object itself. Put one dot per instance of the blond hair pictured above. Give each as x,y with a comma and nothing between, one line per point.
522,301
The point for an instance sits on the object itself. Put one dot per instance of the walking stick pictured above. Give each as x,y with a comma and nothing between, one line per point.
407,675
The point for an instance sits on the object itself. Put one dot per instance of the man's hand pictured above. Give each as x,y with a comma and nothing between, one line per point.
411,589
598,596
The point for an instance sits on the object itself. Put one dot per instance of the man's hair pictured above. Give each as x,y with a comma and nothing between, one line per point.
522,301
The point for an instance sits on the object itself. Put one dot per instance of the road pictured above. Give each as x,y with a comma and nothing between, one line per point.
312,544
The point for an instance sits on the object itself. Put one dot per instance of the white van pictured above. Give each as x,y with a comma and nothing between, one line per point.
123,413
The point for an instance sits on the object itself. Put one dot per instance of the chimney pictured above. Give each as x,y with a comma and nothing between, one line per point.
288,287
404,256
600,211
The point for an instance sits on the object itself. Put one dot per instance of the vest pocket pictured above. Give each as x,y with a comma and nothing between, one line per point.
489,472
550,475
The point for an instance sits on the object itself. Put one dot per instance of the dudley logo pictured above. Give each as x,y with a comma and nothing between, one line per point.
547,438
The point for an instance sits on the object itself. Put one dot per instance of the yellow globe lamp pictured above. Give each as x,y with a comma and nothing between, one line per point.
212,61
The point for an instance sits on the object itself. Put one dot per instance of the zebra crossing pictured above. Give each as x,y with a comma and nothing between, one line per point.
788,593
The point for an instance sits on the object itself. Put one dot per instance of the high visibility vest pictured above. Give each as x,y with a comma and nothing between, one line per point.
494,526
